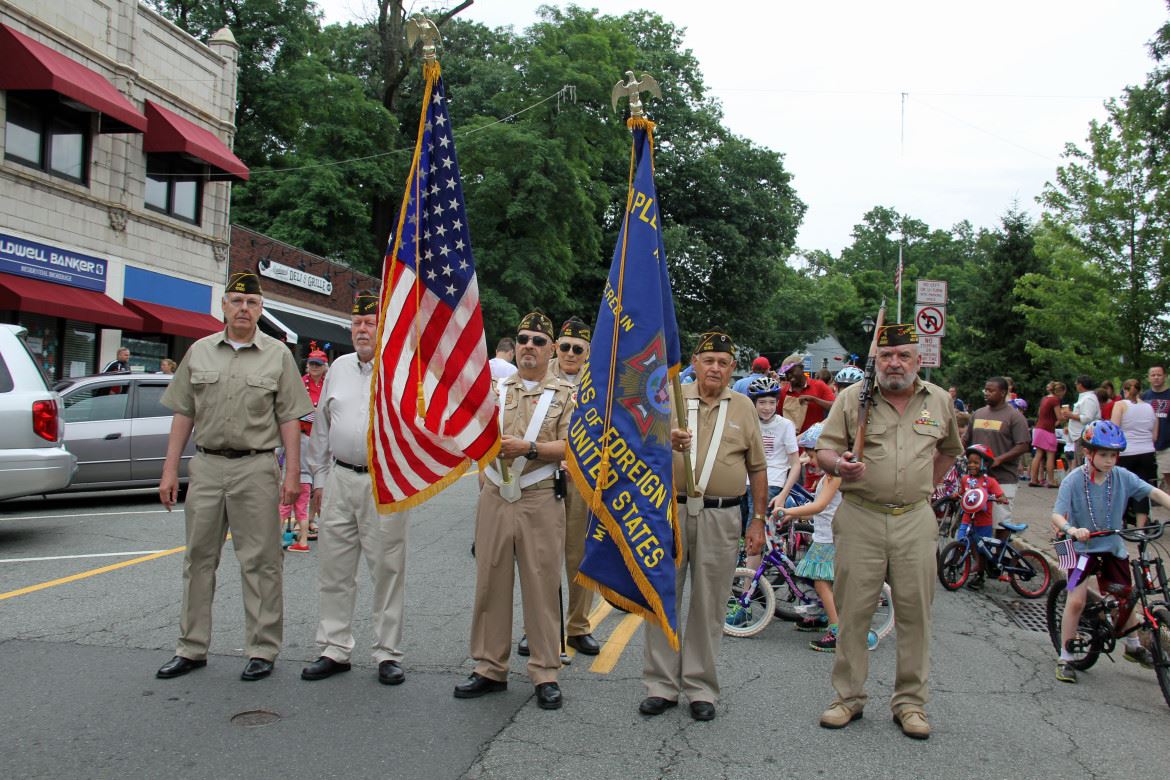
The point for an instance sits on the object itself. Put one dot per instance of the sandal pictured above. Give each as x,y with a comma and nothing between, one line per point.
313,532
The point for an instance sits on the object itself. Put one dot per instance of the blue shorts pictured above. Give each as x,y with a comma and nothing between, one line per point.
986,531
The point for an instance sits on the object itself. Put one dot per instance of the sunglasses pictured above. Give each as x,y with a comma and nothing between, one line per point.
524,338
576,348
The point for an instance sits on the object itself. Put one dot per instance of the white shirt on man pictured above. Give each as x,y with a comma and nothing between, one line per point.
343,418
1088,408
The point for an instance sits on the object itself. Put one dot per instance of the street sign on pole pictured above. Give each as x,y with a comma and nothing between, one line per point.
931,320
932,291
930,348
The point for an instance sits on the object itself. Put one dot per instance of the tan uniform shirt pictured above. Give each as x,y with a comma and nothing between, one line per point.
899,448
520,405
238,397
741,452
554,368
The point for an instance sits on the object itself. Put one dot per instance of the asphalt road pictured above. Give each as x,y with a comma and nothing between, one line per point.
81,638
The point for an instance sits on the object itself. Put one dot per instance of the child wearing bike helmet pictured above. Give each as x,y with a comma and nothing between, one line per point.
1093,498
780,450
978,490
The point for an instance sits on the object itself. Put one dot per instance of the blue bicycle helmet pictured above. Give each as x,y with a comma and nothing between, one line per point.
849,375
1103,435
808,439
763,386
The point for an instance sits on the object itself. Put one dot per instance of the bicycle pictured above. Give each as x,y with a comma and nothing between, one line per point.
1103,619
789,596
945,501
1027,571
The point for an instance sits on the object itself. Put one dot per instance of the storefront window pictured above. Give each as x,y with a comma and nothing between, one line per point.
43,341
146,352
79,348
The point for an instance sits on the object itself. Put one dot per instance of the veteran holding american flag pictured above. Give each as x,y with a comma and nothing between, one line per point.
520,523
727,451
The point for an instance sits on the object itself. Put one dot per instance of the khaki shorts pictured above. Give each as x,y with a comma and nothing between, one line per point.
1164,461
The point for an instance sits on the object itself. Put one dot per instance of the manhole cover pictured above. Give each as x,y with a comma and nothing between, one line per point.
1028,615
252,718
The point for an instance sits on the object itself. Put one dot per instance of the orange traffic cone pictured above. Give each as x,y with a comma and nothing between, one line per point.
1058,473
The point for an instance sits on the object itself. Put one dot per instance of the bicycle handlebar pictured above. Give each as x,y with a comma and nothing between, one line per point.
1147,533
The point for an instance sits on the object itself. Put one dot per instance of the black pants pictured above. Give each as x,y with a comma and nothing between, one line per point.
1146,467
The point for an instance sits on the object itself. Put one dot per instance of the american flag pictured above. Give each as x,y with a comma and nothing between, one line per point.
1066,556
430,332
898,273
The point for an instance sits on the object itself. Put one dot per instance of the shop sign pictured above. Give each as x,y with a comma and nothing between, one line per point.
295,276
21,257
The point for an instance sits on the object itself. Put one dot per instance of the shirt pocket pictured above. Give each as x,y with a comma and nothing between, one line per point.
548,426
877,442
926,438
205,386
259,393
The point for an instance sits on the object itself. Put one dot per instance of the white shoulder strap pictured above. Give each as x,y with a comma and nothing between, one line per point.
712,447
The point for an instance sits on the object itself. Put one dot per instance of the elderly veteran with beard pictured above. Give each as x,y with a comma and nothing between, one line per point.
351,526
239,392
885,529
727,450
520,523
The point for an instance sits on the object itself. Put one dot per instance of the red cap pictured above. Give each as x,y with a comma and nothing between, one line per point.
761,364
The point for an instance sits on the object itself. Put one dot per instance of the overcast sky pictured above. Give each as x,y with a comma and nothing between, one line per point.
993,91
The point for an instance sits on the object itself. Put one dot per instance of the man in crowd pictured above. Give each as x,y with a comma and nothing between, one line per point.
1084,411
502,365
572,352
1159,397
960,404
520,523
241,393
120,364
1000,426
885,529
723,436
814,397
351,526
760,368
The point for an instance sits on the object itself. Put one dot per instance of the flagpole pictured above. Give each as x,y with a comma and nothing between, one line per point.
900,273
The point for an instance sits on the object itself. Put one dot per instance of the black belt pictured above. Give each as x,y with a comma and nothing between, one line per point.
351,467
710,502
233,454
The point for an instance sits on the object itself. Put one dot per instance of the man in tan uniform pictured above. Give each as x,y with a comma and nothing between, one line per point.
885,529
521,523
242,394
572,352
727,450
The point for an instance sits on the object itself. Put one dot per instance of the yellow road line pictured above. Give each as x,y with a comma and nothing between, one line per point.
612,650
91,573
599,613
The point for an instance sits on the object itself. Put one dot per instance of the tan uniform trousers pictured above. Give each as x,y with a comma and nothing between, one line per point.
238,495
350,528
580,597
872,547
710,544
529,534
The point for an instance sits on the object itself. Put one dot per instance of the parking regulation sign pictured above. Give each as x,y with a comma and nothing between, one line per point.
932,291
930,319
930,348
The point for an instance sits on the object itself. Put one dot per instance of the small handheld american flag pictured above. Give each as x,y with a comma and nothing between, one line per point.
1066,555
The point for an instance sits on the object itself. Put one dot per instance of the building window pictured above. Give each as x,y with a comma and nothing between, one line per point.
174,186
42,133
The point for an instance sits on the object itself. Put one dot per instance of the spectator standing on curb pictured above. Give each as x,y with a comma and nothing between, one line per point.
1084,411
1000,427
1159,398
1044,437
760,368
1137,421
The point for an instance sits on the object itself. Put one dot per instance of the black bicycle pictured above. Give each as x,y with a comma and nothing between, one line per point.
1027,571
1104,617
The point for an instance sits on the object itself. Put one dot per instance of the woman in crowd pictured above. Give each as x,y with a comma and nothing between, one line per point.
1137,421
1044,438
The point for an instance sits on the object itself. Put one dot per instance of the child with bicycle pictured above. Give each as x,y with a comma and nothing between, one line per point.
978,491
1092,498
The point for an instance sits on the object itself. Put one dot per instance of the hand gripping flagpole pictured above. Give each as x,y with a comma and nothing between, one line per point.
631,89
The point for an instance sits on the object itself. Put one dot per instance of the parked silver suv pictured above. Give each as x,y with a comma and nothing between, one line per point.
33,458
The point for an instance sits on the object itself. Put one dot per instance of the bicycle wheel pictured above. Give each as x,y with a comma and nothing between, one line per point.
789,601
750,620
954,565
1054,614
1034,585
883,617
1160,650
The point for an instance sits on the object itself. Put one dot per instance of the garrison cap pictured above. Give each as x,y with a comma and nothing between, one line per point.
365,302
244,282
538,321
897,335
576,328
714,341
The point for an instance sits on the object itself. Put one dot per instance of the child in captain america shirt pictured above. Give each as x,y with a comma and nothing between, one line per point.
979,521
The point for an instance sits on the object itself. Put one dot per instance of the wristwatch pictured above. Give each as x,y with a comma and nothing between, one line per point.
758,517
532,451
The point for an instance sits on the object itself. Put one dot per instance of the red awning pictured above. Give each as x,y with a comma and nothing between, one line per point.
172,321
169,132
29,65
57,300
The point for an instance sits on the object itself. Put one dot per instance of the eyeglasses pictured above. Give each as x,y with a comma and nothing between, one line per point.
524,338
576,348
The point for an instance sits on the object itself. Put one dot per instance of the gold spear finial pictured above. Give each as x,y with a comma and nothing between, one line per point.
632,89
421,28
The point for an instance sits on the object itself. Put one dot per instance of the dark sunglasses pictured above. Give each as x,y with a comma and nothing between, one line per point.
577,348
524,338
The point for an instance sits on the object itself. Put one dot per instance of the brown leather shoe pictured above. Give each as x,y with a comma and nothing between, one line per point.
839,715
913,723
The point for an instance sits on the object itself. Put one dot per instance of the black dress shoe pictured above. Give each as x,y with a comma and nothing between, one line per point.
390,673
324,667
702,710
178,666
522,646
477,685
548,696
585,643
257,669
655,705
